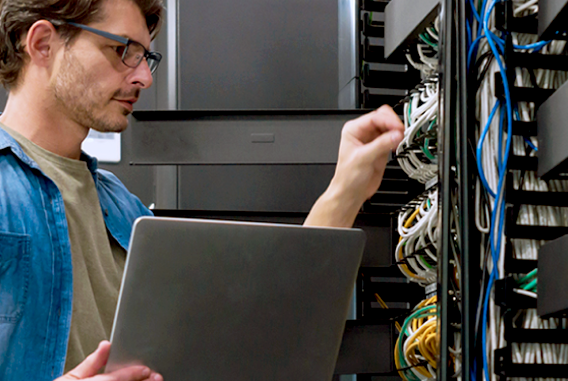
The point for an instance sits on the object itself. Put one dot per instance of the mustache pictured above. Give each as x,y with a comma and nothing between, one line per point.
121,94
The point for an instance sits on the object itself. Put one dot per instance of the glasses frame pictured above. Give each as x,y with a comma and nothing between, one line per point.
153,56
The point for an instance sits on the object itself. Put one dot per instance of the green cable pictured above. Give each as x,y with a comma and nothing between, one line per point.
427,142
415,315
428,153
425,262
528,276
530,285
427,40
433,123
401,353
424,148
427,37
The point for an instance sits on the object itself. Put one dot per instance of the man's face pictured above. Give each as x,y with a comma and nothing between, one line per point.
91,85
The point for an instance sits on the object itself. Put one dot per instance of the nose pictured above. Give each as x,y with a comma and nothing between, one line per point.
142,76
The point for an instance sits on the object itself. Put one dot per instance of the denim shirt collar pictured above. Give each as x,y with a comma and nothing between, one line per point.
8,142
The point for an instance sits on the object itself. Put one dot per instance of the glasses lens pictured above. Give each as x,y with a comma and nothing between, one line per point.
154,59
134,54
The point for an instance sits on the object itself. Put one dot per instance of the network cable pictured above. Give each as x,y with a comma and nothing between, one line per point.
495,142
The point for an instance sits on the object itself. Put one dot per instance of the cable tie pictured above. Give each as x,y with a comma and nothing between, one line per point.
402,262
421,363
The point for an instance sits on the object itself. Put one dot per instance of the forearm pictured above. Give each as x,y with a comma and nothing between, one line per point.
363,155
333,209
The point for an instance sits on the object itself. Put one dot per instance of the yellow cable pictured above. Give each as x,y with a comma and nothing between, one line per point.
432,343
400,256
397,361
423,347
424,341
431,348
381,301
411,357
384,305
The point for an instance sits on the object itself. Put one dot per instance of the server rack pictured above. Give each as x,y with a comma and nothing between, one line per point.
157,131
458,176
548,164
409,19
458,173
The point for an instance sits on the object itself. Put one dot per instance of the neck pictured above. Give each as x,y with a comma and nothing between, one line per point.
39,119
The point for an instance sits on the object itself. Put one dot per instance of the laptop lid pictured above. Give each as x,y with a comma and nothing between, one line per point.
218,300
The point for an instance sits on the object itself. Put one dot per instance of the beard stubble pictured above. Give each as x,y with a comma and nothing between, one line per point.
83,99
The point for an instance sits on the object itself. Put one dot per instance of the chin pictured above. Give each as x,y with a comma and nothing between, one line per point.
117,126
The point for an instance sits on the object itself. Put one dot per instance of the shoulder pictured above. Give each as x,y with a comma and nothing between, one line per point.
24,195
109,177
112,190
15,173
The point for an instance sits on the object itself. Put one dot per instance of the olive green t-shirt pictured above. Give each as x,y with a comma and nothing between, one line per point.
98,260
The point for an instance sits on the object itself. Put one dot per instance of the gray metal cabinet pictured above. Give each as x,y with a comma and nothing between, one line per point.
258,54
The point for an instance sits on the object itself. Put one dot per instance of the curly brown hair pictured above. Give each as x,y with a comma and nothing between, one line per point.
17,16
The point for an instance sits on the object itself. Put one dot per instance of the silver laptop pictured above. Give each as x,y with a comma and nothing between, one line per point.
216,300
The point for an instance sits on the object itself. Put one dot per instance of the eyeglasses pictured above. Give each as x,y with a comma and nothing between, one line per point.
132,52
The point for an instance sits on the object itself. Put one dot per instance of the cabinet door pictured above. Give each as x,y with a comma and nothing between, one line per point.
258,54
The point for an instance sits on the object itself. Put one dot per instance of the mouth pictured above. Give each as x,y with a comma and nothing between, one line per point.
127,103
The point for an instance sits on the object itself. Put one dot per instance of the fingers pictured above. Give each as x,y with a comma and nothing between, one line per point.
367,127
132,373
90,367
384,143
92,364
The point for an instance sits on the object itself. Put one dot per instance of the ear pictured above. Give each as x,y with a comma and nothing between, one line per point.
42,43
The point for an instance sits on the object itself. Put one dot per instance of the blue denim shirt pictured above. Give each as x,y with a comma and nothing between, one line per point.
36,277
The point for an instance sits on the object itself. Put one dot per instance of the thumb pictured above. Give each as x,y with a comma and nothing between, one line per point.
93,363
385,143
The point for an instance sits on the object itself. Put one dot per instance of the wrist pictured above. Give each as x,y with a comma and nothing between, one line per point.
336,207
346,198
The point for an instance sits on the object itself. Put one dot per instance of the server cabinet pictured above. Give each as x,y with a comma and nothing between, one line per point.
258,54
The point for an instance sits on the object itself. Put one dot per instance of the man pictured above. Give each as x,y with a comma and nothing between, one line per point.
72,65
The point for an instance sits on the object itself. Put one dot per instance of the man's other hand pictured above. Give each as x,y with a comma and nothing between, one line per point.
89,369
363,154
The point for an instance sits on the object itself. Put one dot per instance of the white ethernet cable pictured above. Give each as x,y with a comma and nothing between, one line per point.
529,215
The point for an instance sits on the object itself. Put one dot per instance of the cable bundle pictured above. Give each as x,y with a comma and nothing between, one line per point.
416,153
495,143
416,348
416,254
525,8
534,214
426,60
534,353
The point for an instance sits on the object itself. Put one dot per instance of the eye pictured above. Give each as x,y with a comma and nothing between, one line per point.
119,49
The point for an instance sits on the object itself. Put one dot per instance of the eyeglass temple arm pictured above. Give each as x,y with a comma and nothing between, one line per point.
122,40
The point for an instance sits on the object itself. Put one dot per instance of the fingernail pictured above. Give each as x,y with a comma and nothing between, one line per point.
146,372
157,377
